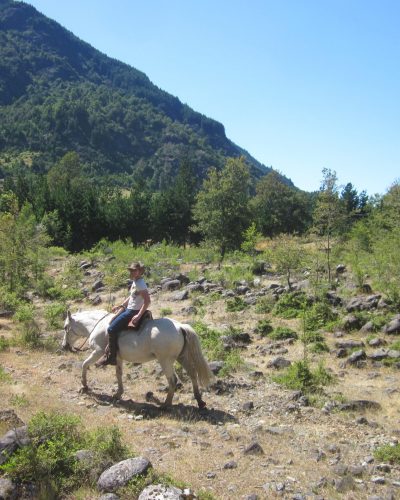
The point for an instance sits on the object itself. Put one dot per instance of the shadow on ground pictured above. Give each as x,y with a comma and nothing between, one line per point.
151,409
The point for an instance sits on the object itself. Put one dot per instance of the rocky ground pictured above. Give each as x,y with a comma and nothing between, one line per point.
254,439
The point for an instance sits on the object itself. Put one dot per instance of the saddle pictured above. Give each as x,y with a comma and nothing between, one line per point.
146,315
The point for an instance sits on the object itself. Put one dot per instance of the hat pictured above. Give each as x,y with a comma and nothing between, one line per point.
136,265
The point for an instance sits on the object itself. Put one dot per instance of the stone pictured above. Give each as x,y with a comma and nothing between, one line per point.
344,484
169,285
231,465
356,356
8,489
11,441
179,296
97,285
161,492
393,326
254,449
216,366
279,363
122,472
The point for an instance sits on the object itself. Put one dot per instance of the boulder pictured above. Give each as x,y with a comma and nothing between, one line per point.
161,492
13,440
393,326
122,472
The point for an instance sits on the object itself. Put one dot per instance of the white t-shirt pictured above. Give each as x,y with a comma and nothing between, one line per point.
135,300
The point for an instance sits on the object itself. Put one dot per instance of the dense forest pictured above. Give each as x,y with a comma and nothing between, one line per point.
59,94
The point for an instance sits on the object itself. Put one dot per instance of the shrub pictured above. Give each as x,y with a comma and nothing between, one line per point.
54,314
165,311
291,305
282,333
388,453
319,315
264,327
4,343
235,304
299,376
8,300
265,305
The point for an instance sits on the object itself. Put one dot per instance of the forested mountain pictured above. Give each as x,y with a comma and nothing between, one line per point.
59,94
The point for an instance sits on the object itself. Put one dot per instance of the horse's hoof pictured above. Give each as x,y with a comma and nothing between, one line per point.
84,390
202,404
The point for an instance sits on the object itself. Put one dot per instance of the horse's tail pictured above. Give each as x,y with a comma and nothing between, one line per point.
194,356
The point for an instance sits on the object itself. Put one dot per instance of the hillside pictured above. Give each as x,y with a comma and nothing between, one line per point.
256,439
59,94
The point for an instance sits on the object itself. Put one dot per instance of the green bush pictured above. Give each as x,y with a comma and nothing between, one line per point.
235,304
319,315
165,311
388,453
291,305
300,376
49,459
264,327
54,314
282,333
8,300
4,343
265,305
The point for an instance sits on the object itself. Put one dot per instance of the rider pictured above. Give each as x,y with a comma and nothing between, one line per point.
132,308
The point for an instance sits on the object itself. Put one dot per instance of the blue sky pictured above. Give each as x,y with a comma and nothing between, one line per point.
302,85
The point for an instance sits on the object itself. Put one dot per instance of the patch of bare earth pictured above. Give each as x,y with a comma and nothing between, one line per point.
301,449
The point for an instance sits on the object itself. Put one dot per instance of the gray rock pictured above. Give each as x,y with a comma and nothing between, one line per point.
231,465
378,354
279,363
393,326
183,295
11,441
109,496
356,356
351,322
168,285
119,474
344,484
97,285
254,449
392,353
8,489
161,492
216,366
349,344
376,342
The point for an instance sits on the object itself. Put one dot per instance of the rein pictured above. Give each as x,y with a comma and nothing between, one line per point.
79,349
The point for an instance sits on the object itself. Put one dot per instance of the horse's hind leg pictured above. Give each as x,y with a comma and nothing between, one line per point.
94,356
190,370
168,369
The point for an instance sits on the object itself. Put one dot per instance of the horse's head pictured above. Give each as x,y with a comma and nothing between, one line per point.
70,335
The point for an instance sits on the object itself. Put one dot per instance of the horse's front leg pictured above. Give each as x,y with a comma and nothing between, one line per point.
94,356
118,372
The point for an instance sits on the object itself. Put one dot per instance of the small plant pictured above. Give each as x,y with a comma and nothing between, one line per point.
388,453
4,344
4,376
300,376
54,314
319,315
265,305
235,304
19,400
283,333
165,311
264,327
291,305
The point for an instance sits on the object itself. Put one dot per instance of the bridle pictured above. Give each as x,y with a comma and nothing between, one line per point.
68,329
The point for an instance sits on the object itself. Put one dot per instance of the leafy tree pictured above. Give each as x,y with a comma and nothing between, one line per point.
278,208
328,216
221,209
287,255
22,243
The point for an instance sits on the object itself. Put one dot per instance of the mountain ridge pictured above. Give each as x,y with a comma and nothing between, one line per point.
58,93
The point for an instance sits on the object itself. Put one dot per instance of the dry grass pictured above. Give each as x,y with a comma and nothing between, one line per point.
189,445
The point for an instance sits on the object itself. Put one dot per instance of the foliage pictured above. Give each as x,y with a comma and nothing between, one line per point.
49,459
282,333
265,304
291,305
235,304
4,376
388,453
288,255
264,327
54,314
220,211
300,376
279,208
250,239
319,315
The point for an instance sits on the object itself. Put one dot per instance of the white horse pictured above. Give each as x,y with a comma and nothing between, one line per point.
163,339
